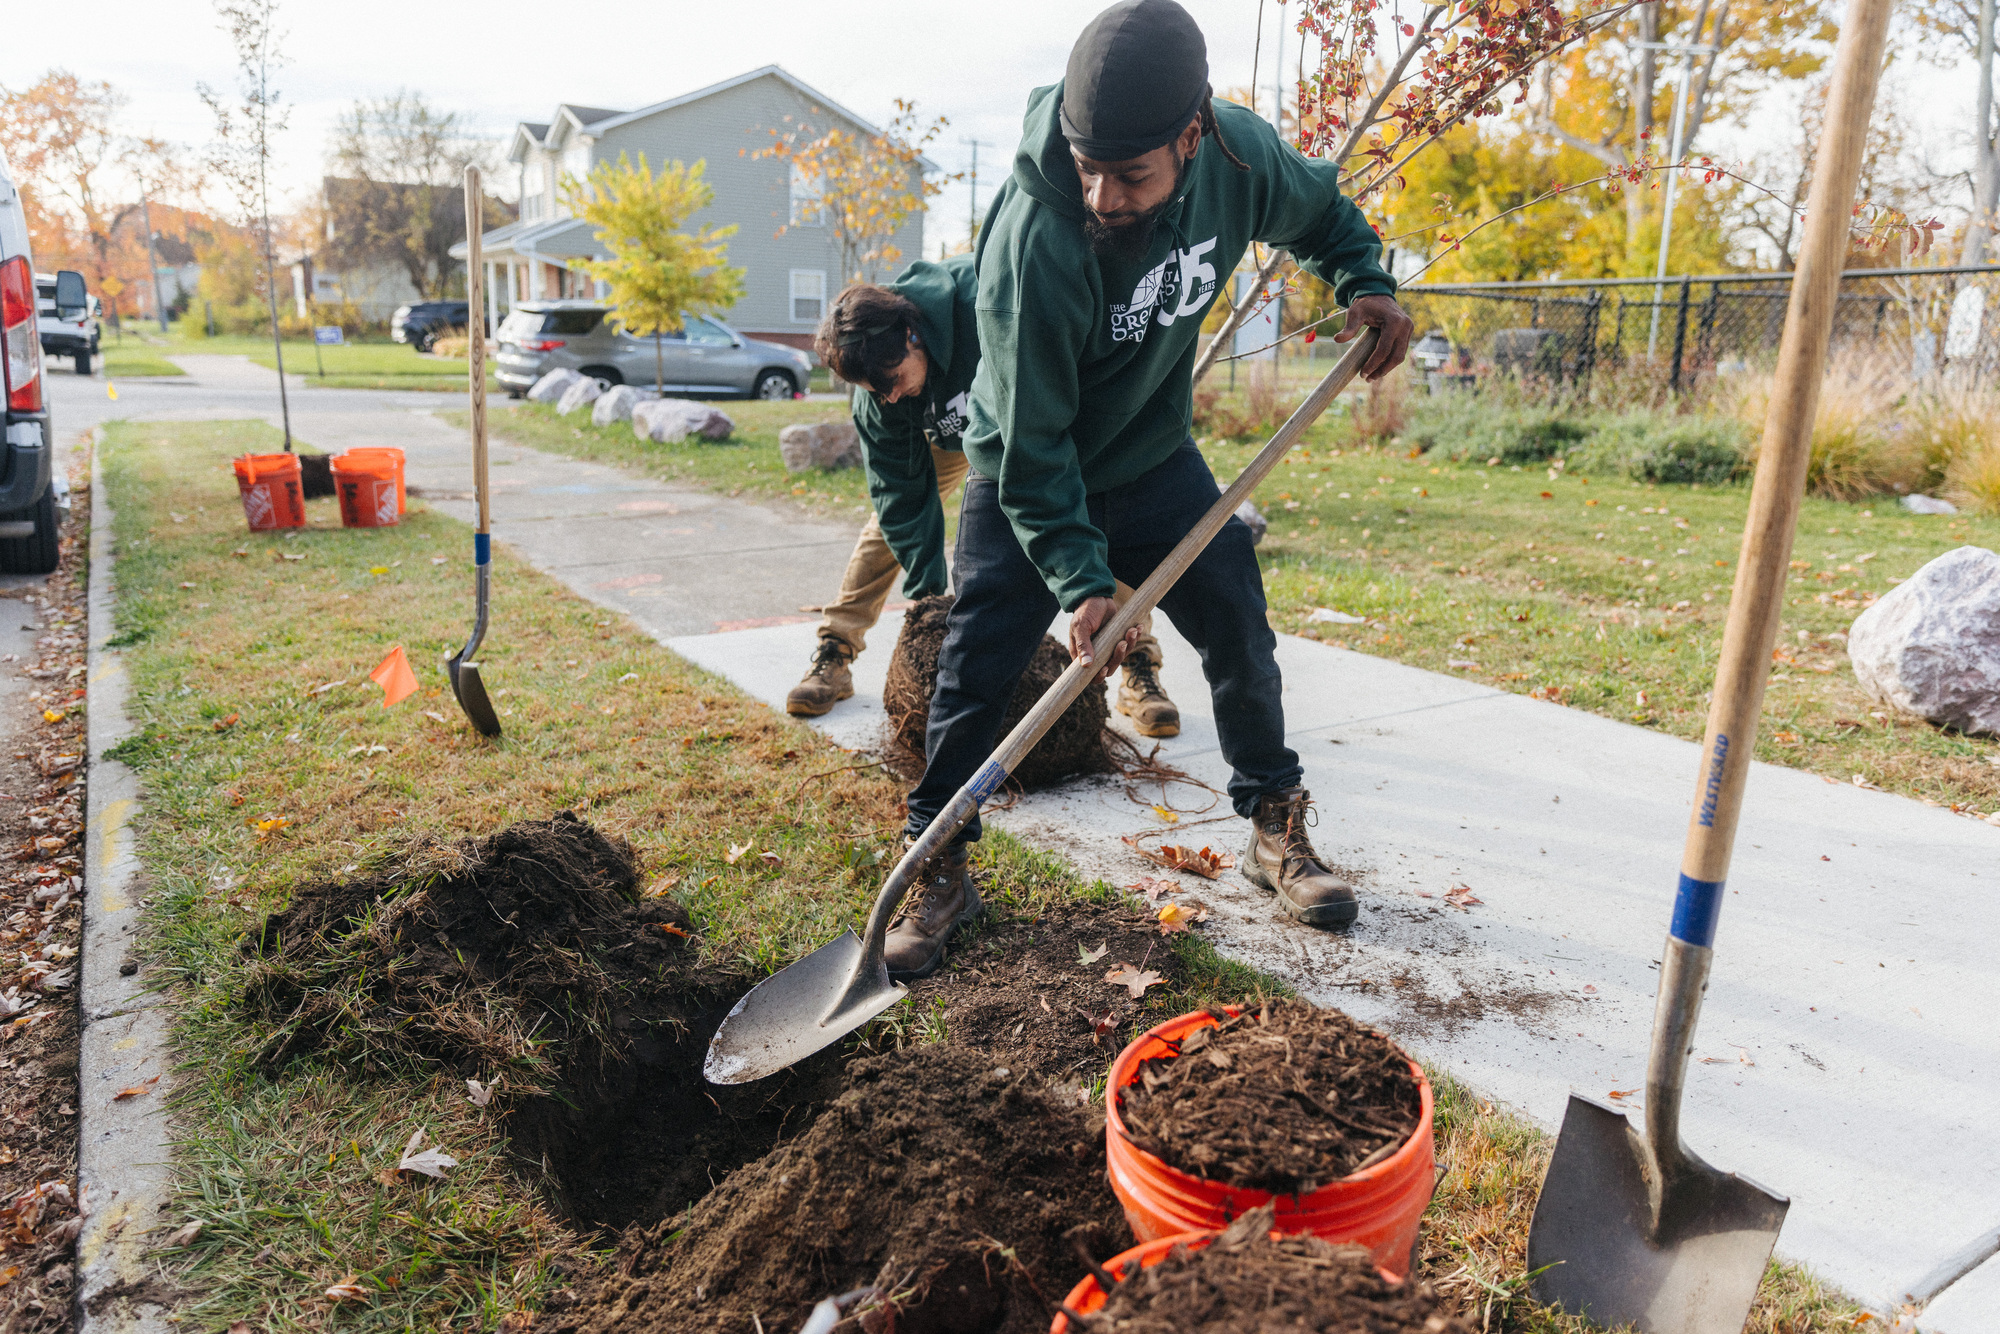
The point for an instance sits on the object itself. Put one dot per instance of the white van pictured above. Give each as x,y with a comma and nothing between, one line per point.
67,332
29,522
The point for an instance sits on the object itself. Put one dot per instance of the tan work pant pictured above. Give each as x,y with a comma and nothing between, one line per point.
873,570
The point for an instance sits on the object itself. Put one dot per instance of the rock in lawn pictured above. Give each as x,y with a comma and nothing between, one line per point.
1931,645
1253,518
668,421
615,405
550,387
582,390
822,445
1928,505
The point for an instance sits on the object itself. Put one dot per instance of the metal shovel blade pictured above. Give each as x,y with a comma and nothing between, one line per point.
784,1019
1596,1250
471,692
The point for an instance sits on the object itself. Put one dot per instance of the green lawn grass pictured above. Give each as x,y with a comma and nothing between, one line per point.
133,356
374,364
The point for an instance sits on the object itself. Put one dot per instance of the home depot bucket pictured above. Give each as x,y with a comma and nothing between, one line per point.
273,496
1086,1297
367,489
392,456
1377,1207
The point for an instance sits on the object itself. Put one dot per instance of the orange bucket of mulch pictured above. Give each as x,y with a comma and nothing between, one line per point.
1219,1112
273,494
393,457
367,489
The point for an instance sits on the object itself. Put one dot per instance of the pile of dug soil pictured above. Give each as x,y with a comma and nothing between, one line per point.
1248,1283
1284,1097
527,959
1076,744
937,1176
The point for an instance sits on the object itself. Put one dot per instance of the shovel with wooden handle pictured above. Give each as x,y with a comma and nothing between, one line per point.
841,986
1632,1227
460,667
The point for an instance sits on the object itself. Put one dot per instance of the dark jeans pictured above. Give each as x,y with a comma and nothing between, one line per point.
1003,609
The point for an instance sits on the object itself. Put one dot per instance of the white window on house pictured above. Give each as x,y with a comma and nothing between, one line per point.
807,210
808,295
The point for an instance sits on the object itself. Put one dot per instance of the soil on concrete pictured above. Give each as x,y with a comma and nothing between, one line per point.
944,1180
1078,743
1247,1282
528,959
1283,1097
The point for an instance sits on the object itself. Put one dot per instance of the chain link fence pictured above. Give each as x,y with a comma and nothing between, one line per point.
1690,328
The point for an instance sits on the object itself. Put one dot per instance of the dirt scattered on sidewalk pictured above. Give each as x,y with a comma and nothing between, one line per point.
944,1179
1283,1097
1247,1280
1077,743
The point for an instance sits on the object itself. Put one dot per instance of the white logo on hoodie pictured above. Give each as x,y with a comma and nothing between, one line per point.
1167,296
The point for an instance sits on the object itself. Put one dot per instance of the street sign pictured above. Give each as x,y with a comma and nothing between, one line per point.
328,335
111,287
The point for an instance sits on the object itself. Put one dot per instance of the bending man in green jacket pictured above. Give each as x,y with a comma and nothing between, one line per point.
912,348
1134,195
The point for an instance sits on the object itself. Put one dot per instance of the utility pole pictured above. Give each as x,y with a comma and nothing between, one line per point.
972,209
152,261
1675,148
1985,158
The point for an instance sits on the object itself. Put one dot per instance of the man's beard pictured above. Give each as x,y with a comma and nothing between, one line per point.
1133,239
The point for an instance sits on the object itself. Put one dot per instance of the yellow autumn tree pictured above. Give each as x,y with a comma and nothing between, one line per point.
861,187
659,270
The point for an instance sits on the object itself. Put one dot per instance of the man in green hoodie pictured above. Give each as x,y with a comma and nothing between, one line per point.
911,348
1134,195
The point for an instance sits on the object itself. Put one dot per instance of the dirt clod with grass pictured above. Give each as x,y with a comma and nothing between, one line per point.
1282,1097
938,1176
1076,744
1248,1281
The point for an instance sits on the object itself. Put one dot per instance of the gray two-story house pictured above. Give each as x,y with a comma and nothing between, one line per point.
790,259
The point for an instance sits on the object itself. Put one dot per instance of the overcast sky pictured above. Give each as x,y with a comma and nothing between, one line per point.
502,61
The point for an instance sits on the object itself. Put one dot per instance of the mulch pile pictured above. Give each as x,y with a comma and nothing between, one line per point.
1077,743
1283,1097
944,1179
1248,1283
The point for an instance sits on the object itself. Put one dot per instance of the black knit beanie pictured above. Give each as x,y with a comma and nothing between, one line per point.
1136,78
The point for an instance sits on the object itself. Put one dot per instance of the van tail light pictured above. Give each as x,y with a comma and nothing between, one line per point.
542,344
22,339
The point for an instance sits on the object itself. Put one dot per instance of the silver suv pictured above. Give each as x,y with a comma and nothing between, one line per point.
704,357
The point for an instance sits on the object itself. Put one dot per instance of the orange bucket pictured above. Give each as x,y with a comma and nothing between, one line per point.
367,489
394,457
273,495
1378,1207
1087,1297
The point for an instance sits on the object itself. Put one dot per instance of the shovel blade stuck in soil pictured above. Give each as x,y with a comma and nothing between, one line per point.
1676,1247
784,1019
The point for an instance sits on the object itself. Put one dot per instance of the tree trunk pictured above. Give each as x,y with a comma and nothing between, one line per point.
1643,67
1985,158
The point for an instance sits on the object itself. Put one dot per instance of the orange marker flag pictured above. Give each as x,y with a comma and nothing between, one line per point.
393,674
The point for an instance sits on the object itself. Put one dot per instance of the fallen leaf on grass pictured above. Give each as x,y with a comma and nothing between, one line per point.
480,1094
322,689
736,851
1167,816
431,1162
1328,616
1134,981
1086,957
136,1091
673,930
265,828
291,555
240,551
434,716
184,1235
661,886
348,1289
378,569
1177,917
771,859
1153,888
226,723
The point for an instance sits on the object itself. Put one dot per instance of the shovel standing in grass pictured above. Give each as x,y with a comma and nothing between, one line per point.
841,986
1631,1226
464,672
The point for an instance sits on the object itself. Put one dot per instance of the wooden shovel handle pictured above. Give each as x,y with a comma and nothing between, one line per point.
475,327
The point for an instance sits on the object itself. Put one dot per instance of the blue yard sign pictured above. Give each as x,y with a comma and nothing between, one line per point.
328,335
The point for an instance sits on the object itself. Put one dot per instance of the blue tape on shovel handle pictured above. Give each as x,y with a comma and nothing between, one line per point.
1696,910
987,781
482,549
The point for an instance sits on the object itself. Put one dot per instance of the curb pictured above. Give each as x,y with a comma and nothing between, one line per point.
124,1161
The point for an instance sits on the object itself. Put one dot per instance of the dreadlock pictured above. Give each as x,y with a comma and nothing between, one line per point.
1210,130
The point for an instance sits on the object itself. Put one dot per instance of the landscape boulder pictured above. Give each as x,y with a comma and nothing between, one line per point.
550,387
669,421
1253,519
584,389
1931,645
833,444
615,405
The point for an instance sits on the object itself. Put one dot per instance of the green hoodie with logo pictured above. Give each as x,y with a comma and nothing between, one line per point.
1086,379
896,438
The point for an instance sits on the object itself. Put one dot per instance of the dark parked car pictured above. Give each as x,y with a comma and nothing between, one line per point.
425,322
704,357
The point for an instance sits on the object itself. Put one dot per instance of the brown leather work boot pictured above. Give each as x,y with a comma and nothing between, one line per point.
1141,699
828,683
943,899
1281,859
